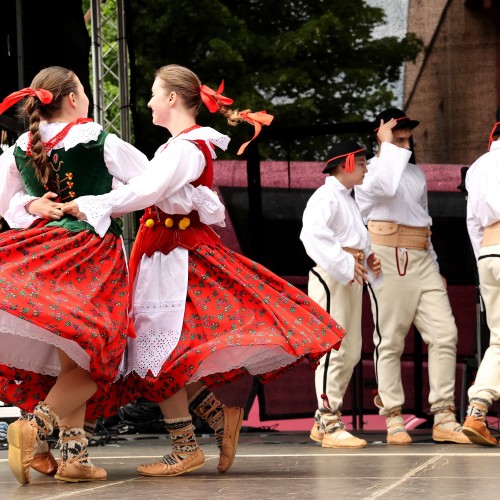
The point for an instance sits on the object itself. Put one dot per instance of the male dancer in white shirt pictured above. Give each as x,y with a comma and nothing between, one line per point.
336,239
483,223
393,202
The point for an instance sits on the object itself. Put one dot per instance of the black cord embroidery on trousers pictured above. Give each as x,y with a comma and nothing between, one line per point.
377,328
489,255
328,300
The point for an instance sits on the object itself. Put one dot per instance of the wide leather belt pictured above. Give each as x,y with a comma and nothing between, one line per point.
491,235
392,234
359,255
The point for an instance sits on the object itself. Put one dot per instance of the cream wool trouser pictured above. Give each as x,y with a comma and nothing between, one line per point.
412,292
487,383
344,305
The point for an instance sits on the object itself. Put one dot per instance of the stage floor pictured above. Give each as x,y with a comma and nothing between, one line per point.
281,465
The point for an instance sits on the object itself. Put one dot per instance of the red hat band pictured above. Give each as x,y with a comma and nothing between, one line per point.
349,162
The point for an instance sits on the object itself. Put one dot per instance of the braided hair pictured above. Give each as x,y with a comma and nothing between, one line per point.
60,82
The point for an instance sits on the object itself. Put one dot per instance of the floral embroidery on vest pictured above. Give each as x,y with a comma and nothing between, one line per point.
62,186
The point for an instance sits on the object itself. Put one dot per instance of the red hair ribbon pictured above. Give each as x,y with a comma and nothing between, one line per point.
212,99
349,160
257,120
492,133
44,95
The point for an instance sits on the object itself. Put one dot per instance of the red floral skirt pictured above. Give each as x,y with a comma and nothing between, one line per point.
71,285
236,307
25,389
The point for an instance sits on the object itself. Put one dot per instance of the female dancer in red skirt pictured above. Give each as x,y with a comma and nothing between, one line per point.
203,314
63,288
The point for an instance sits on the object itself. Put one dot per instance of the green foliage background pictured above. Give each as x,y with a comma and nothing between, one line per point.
307,62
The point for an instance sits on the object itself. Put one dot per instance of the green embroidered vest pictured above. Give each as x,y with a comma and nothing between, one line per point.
77,172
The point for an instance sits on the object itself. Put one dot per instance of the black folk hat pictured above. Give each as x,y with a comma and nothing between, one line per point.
402,120
345,150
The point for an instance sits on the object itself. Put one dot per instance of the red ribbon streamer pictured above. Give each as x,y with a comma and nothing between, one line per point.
349,163
257,120
491,135
44,95
214,99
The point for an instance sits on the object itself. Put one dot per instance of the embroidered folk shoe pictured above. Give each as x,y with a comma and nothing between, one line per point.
477,432
188,463
73,471
225,422
396,432
75,465
22,437
446,429
186,455
233,417
335,434
442,435
342,439
45,463
317,433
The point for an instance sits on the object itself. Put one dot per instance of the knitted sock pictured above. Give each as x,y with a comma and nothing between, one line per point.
205,405
74,445
478,408
181,431
317,417
445,418
42,446
89,428
395,423
332,423
44,418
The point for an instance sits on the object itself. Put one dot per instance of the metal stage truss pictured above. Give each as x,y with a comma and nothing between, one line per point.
110,70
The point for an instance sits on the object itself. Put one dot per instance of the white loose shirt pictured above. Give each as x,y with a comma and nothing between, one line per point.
166,183
483,195
395,191
331,221
122,160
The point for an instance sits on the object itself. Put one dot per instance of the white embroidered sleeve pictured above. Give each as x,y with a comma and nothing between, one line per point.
166,174
10,179
17,216
13,196
385,171
123,160
209,207
97,213
321,243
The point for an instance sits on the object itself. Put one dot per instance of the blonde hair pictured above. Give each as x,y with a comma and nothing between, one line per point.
183,81
60,82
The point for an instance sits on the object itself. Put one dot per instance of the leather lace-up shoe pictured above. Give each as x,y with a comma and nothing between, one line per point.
477,432
22,436
45,463
233,417
190,463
